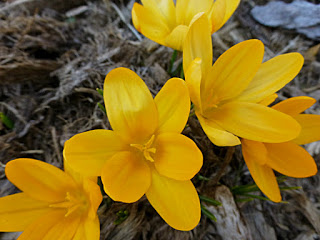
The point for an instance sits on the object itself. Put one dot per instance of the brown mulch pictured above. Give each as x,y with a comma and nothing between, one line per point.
54,54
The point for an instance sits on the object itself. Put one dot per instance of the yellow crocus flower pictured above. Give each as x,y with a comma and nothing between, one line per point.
226,94
52,205
167,23
145,153
287,158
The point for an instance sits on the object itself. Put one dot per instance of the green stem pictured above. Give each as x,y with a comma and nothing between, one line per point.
173,59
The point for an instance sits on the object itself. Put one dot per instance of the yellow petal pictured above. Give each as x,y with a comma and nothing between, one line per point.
294,106
176,37
255,122
126,177
193,80
187,9
77,177
256,151
177,202
80,233
129,104
217,135
198,44
135,19
310,128
230,7
17,211
268,100
217,13
231,73
88,229
87,152
163,8
39,180
272,76
263,176
290,159
173,103
64,229
93,191
177,156
149,24
40,227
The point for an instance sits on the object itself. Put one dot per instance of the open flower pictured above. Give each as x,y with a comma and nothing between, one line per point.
52,205
227,95
145,153
167,24
287,158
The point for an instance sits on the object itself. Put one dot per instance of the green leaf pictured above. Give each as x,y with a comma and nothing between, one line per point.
100,91
244,199
245,189
102,108
202,178
206,212
122,216
6,121
289,188
256,197
210,200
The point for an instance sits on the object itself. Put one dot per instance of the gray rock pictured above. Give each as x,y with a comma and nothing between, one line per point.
302,16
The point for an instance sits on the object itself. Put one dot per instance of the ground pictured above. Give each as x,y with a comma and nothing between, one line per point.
53,56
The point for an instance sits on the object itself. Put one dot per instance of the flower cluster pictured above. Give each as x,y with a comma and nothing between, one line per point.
145,152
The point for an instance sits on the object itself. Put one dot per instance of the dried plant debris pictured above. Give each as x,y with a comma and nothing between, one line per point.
229,224
53,59
300,15
30,46
32,5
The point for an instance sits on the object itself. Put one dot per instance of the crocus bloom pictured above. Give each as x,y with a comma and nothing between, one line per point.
145,153
287,158
167,24
227,95
52,205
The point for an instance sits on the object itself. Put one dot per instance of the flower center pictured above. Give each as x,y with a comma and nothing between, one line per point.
72,204
146,148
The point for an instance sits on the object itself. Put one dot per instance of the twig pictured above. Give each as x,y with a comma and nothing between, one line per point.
55,143
13,4
32,152
131,28
15,112
88,90
225,163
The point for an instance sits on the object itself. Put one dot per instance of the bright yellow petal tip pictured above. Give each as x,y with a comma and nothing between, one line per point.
294,106
173,104
130,107
177,202
261,173
272,76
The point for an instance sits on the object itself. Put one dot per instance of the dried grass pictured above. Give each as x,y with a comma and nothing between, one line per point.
51,61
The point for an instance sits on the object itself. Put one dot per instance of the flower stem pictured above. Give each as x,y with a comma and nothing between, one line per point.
173,59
